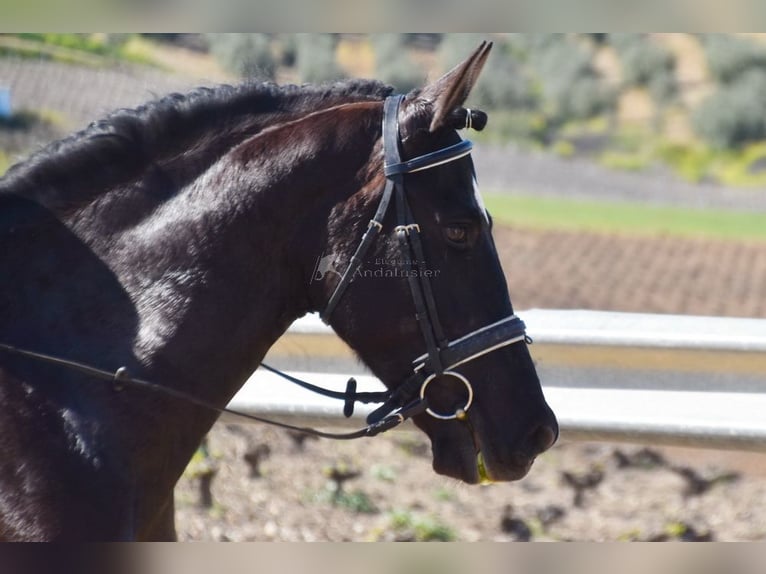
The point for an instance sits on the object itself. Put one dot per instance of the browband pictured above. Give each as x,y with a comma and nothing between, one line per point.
429,160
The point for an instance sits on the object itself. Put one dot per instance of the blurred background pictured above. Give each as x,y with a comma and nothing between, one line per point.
625,172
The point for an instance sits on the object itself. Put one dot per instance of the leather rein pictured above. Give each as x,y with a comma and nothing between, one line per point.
442,355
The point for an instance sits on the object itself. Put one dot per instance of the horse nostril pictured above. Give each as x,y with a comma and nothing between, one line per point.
541,439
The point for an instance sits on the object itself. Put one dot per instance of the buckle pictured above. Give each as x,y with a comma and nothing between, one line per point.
406,228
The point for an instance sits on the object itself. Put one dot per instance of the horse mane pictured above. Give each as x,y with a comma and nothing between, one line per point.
173,138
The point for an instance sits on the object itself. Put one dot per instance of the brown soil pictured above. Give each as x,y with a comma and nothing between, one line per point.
575,270
406,500
397,496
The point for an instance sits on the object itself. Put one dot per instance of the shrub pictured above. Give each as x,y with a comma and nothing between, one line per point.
690,162
288,49
744,169
455,47
94,43
504,83
730,57
393,63
315,58
247,55
647,64
81,49
736,113
522,126
571,87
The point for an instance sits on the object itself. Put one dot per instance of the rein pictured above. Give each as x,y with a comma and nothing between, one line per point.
409,398
121,379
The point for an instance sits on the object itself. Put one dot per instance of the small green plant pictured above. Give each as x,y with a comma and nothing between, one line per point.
383,472
419,528
334,493
631,535
202,469
356,501
444,494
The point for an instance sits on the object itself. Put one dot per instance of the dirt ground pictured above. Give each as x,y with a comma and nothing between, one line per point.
576,270
626,491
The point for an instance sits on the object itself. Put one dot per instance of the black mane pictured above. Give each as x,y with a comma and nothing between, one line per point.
173,137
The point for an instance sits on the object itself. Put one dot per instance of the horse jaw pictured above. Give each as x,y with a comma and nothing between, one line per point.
458,453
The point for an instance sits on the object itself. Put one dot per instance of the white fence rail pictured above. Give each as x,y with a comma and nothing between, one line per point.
681,380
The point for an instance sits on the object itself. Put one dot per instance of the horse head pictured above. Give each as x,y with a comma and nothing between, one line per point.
438,322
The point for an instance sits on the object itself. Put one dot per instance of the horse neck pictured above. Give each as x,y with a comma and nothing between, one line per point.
222,269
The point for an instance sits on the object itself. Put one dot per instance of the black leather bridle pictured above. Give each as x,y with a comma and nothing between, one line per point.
442,356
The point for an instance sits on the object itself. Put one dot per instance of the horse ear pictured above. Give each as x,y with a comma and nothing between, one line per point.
450,91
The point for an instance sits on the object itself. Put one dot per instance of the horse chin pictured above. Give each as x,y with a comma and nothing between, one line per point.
516,469
460,456
474,470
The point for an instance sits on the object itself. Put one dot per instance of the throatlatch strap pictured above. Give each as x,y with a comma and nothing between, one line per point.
369,237
390,146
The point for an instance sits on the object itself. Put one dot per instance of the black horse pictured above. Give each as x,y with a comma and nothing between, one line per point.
180,239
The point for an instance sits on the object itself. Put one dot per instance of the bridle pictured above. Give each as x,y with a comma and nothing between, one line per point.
442,356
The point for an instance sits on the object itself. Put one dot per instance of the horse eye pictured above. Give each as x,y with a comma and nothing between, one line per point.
456,233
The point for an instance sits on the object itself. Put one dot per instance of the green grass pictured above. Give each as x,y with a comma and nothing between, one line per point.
623,218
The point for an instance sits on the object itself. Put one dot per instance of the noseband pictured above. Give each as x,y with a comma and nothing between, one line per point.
442,355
